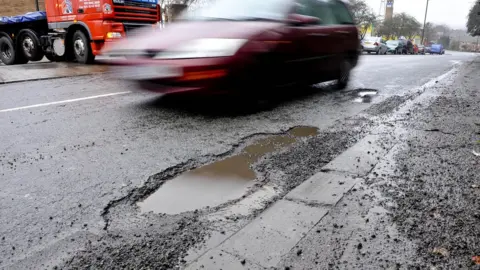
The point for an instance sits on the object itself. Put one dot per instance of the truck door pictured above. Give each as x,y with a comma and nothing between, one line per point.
67,10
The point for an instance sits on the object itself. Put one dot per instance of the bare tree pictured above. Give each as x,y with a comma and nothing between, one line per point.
473,23
363,15
400,25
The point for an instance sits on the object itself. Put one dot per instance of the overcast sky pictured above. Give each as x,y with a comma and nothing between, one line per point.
452,13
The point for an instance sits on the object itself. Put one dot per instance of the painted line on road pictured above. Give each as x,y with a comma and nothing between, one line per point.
63,101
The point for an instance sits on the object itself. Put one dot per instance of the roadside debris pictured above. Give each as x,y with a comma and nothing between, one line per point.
441,251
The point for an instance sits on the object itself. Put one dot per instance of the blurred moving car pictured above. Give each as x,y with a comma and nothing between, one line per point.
374,44
244,46
396,46
437,49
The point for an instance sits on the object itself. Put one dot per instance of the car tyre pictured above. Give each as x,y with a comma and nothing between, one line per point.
343,76
81,48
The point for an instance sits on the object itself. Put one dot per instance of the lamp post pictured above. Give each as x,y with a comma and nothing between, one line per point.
424,24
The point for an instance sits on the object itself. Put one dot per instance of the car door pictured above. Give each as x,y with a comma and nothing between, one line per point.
318,42
344,34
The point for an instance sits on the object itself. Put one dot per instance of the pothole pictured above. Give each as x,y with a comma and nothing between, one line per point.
218,182
365,95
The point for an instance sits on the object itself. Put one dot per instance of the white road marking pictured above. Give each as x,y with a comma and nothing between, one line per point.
63,102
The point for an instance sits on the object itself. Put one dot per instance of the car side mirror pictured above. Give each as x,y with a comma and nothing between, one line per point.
300,20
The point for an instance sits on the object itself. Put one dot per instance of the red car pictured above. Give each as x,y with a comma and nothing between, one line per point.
244,46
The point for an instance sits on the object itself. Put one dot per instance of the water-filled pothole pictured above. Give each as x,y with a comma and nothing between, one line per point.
365,95
218,182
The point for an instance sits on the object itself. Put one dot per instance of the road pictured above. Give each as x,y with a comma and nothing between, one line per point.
78,154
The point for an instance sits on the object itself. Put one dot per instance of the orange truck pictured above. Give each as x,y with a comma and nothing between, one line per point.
72,30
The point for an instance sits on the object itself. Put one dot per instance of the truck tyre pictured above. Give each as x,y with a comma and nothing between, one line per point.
29,44
81,48
7,51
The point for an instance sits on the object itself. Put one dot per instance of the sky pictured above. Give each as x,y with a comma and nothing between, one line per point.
452,13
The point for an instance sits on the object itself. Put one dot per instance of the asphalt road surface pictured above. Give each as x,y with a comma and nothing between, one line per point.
80,157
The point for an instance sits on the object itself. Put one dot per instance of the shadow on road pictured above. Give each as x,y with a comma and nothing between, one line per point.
234,105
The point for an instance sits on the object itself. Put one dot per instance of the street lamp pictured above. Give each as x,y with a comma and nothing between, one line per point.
424,23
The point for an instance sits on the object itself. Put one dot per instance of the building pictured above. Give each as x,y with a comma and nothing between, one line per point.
17,7
389,10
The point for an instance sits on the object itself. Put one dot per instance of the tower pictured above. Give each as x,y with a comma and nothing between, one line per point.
389,10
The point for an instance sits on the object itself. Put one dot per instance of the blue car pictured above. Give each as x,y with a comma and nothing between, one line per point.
437,49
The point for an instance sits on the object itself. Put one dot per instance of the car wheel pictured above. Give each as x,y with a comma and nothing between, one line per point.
343,76
82,49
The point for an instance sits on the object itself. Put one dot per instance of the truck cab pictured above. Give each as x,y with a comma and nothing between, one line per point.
92,23
75,30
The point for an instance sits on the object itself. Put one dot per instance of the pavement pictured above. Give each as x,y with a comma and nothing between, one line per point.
81,155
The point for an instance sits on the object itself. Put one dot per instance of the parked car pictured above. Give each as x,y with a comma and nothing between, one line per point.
374,44
421,49
415,49
428,49
244,47
437,49
396,46
410,48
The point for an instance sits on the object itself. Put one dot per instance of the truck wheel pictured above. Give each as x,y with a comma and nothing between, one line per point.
81,48
7,51
29,44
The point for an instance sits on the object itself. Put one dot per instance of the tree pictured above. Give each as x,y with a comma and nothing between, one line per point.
473,23
445,41
387,28
400,25
455,45
429,32
363,15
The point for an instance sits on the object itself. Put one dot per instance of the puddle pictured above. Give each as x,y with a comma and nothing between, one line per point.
365,95
218,182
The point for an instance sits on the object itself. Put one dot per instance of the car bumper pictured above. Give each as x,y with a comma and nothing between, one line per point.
204,75
371,49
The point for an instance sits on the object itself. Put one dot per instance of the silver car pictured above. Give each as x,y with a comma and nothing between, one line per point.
374,45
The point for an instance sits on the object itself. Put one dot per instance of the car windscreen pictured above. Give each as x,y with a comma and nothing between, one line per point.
240,10
371,39
392,42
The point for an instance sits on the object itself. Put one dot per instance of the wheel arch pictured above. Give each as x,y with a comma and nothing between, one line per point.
79,26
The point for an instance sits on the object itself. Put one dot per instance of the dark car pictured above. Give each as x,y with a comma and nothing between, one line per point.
244,46
396,46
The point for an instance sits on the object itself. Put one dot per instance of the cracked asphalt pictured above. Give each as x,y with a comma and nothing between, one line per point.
72,172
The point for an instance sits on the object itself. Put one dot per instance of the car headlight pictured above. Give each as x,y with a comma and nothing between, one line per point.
203,48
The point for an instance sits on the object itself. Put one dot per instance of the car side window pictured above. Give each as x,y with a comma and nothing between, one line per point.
341,13
316,8
305,7
323,11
